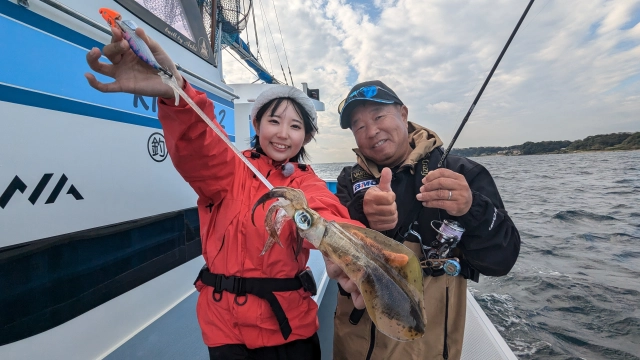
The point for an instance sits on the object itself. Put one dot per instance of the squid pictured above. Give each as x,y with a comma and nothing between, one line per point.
387,273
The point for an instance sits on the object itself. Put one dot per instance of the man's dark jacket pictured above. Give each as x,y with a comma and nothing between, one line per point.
490,244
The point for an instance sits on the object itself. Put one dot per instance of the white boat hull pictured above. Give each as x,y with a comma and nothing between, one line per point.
78,168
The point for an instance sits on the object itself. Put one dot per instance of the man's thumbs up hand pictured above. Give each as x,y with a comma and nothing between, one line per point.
379,204
385,180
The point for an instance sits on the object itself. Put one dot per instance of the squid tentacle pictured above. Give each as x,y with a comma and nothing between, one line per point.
275,212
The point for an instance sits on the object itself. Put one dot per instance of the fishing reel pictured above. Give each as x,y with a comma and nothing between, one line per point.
450,266
436,253
449,234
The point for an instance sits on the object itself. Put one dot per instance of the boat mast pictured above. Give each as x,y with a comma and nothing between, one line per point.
231,20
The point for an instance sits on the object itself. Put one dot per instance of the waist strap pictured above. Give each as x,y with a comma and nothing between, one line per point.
260,287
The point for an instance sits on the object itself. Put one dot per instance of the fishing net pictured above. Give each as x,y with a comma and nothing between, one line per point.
207,11
230,15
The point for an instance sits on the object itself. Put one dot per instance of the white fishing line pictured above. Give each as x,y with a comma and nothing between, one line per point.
171,81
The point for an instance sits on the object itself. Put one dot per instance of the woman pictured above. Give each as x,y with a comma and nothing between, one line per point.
250,305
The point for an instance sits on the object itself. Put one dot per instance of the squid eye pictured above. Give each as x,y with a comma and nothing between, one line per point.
302,219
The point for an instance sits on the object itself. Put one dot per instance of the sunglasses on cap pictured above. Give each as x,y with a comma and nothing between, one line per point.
368,93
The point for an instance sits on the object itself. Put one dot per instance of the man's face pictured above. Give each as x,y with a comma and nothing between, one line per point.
381,132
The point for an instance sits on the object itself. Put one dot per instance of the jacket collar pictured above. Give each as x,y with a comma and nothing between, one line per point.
265,163
421,139
263,158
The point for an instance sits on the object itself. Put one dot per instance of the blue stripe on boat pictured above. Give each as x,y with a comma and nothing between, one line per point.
55,80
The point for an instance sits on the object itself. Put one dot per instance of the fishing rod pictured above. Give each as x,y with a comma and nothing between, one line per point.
466,118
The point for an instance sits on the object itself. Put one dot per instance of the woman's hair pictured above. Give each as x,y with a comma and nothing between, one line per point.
274,105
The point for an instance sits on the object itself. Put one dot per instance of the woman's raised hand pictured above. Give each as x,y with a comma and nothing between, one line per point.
131,74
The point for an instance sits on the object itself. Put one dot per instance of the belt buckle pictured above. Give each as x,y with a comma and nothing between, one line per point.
200,274
238,286
308,281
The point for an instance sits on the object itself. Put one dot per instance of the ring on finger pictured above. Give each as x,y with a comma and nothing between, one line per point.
449,195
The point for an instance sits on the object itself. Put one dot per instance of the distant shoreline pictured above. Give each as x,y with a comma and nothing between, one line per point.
348,163
606,142
560,153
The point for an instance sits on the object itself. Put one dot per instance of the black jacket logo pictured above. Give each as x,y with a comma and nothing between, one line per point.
425,167
18,185
358,174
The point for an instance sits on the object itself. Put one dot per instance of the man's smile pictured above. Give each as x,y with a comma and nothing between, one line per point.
379,143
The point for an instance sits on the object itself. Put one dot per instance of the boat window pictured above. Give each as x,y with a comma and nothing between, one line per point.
48,282
179,20
171,12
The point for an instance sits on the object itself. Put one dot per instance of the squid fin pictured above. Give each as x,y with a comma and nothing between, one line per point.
391,284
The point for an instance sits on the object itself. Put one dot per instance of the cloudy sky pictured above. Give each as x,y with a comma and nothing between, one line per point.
573,69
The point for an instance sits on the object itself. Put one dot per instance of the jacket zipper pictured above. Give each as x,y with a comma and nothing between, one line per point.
445,350
373,340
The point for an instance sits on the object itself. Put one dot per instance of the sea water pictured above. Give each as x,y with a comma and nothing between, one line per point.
575,289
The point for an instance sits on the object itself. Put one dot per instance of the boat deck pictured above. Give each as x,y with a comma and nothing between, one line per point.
176,334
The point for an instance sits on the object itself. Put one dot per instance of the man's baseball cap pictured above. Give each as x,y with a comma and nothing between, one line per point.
374,90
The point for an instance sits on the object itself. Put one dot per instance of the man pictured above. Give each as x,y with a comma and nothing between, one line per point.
397,189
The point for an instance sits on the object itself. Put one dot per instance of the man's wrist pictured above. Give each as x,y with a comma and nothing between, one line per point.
481,217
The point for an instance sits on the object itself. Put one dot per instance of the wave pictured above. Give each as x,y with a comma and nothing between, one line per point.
623,238
625,181
621,192
629,325
553,339
592,237
581,345
576,215
629,255
622,206
529,235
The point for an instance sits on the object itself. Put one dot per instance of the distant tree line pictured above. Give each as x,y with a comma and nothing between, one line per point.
616,141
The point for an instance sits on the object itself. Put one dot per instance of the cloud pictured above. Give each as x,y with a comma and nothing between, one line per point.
443,107
567,74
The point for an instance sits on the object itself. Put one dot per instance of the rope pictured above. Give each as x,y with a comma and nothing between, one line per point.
265,36
275,47
255,31
240,61
283,47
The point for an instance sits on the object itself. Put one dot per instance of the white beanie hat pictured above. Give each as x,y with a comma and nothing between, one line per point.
284,91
